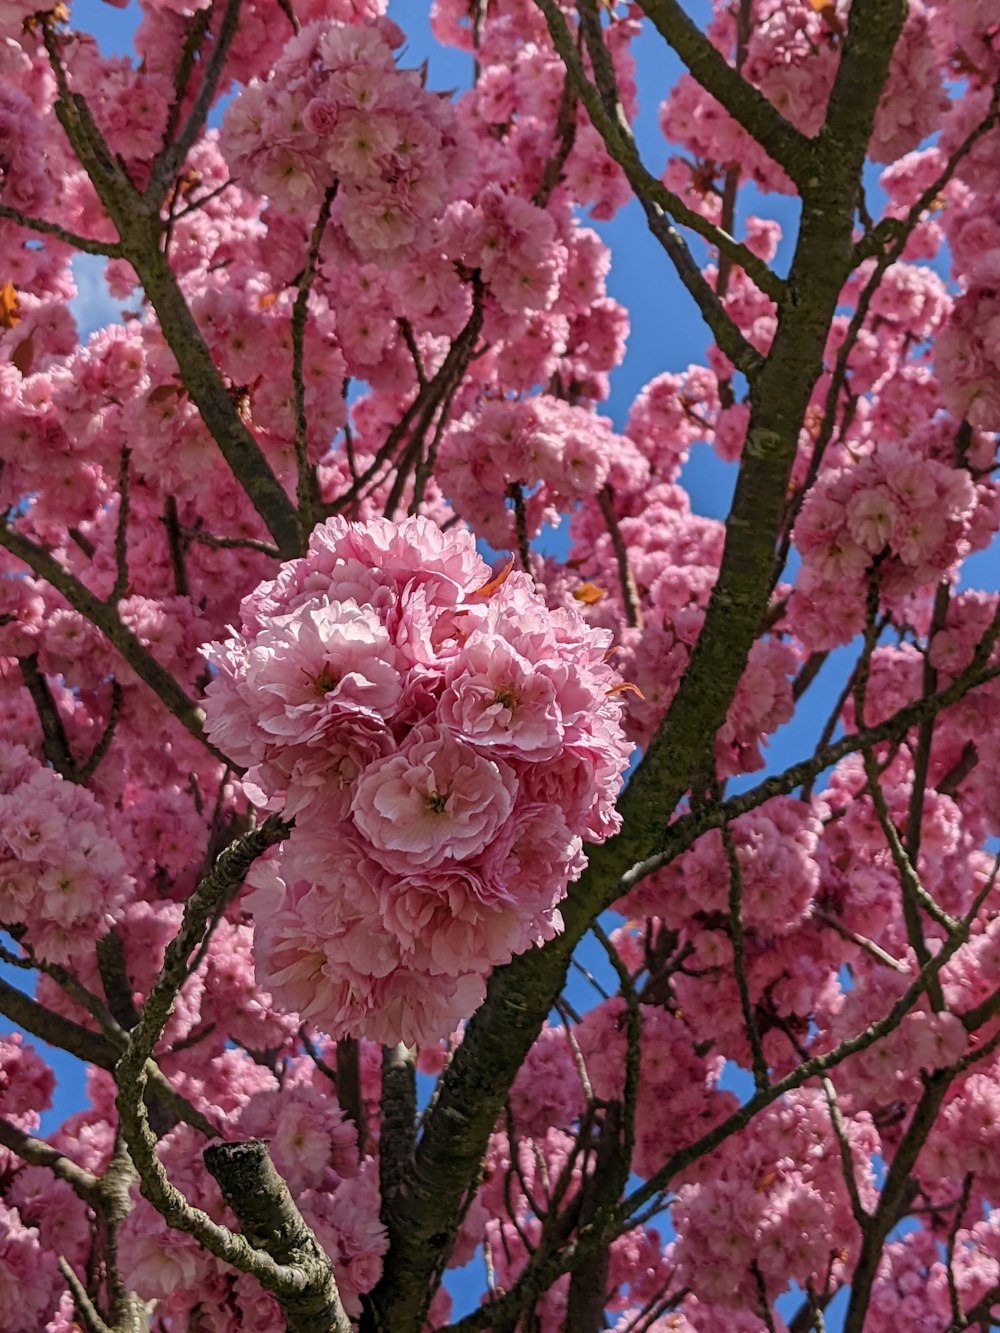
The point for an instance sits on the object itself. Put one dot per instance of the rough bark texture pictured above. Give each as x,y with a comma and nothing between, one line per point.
271,1222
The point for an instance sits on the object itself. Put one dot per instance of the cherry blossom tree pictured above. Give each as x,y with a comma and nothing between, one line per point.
317,808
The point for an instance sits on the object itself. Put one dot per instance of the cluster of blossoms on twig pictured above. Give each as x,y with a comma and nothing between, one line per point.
445,744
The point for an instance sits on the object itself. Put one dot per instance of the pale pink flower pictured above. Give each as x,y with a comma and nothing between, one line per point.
870,517
435,800
323,659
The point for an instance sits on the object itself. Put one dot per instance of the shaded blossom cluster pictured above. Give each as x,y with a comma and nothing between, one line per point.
552,453
337,111
61,870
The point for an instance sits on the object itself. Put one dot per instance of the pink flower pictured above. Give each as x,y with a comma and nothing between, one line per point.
29,1279
870,517
496,698
435,800
448,916
323,659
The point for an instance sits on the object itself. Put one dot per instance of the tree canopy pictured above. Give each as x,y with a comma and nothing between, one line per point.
327,773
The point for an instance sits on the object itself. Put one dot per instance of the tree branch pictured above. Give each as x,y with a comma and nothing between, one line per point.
626,579
139,227
399,1117
281,1253
750,108
519,995
55,742
307,492
660,204
272,1224
893,1197
169,161
107,249
735,905
105,618
37,1152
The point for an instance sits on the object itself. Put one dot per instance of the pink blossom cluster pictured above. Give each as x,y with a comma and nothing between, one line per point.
129,104
512,242
979,168
315,1149
519,1182
913,1287
25,182
249,326
772,1197
904,181
913,99
695,122
971,25
906,515
673,558
61,870
444,744
860,883
514,107
963,1138
12,17
555,454
221,1001
776,847
29,1279
81,405
26,1082
311,1142
337,111
890,1071
548,1089
967,353
670,414
789,976
678,1098
61,1219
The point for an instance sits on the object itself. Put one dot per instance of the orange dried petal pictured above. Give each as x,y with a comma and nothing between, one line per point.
589,593
497,581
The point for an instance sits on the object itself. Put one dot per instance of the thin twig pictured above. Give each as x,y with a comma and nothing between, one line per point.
626,579
121,533
735,908
516,495
106,619
862,941
169,160
36,1152
949,1262
197,27
55,742
306,492
846,1156
657,202
106,249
